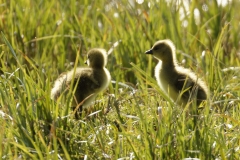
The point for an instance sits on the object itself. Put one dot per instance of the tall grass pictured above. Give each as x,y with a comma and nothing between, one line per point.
41,39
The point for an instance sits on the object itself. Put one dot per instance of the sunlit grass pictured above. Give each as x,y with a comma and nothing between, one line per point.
41,39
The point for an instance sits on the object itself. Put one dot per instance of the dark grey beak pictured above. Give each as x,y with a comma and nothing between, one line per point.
149,51
85,62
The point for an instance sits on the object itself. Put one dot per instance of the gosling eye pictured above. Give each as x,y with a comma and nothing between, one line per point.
156,48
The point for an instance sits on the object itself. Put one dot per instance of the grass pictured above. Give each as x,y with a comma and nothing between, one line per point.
41,39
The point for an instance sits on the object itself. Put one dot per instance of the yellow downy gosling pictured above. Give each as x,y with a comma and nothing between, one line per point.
89,80
181,84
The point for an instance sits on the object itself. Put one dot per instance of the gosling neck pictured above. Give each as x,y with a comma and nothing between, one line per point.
97,67
169,62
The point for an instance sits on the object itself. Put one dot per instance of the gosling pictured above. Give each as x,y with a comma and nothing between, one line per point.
89,80
181,84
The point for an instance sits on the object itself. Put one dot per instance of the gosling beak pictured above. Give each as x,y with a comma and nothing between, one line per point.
149,51
85,62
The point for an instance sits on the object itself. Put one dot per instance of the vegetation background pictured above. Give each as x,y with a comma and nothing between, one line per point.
41,39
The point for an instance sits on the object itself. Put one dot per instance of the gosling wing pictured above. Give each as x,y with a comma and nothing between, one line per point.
191,88
86,85
185,85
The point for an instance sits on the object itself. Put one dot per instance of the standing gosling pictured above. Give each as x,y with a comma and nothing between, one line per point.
89,80
181,84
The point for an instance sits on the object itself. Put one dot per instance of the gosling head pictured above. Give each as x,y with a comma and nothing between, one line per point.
163,50
96,58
